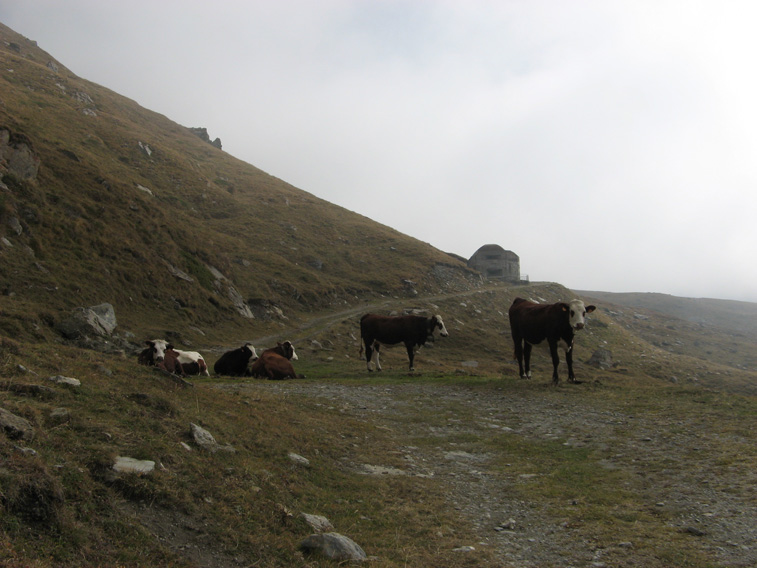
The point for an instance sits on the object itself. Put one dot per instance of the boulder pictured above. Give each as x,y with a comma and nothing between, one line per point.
601,358
97,321
15,427
333,546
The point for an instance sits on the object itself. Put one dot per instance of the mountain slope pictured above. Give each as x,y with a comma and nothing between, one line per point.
130,208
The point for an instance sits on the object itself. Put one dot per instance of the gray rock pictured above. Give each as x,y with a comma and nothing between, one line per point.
61,380
318,523
97,321
15,225
60,415
16,151
601,358
206,441
15,427
299,460
131,465
203,438
333,546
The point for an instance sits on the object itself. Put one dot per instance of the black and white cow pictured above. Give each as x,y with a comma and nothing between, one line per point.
532,323
412,331
234,363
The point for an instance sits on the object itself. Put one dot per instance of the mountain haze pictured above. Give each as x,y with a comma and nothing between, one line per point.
130,208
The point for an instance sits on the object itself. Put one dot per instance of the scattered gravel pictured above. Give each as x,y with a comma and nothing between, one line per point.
700,496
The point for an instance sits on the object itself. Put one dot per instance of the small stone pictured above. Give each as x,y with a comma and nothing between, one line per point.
298,459
61,380
318,523
131,465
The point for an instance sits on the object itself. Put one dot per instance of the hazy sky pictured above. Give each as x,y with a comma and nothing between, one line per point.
611,144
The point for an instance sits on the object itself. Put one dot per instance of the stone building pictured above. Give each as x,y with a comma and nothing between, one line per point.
496,263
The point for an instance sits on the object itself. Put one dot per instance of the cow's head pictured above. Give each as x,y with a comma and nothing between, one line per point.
251,348
437,324
577,313
288,350
159,347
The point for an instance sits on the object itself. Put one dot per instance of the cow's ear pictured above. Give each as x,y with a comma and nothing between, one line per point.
564,307
149,343
590,309
169,346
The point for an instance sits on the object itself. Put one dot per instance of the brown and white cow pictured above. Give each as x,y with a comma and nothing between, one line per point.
285,349
234,363
532,323
164,356
412,331
272,366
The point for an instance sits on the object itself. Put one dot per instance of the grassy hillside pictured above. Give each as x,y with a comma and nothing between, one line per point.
121,193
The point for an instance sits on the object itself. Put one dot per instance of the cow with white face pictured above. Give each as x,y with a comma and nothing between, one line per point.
532,323
411,330
163,355
154,353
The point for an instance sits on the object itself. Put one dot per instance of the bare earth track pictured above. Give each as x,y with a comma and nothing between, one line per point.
709,501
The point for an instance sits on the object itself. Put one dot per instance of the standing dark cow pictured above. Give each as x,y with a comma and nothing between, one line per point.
413,331
234,363
532,323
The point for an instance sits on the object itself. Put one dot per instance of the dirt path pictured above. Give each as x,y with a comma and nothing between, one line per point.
665,462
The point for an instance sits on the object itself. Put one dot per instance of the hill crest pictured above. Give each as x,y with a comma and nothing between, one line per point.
128,207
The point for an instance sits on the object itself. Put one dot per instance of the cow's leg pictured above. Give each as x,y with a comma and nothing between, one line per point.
368,355
555,361
527,347
519,356
410,354
376,353
569,362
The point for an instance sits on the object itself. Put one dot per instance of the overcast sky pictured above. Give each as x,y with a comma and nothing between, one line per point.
612,145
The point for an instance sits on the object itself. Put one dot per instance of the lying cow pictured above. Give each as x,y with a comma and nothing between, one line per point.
164,356
532,323
272,366
285,349
412,331
234,363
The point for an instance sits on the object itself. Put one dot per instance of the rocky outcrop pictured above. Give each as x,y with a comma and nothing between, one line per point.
96,321
202,133
17,155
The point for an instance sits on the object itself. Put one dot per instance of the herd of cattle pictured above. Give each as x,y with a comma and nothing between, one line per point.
530,324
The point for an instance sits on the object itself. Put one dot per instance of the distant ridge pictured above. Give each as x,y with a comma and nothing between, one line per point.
726,314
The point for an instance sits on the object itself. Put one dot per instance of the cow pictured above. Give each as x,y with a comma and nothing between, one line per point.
532,323
272,366
412,331
163,355
285,349
234,363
